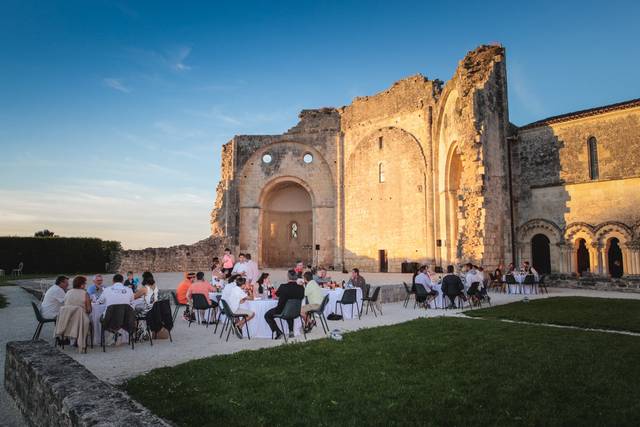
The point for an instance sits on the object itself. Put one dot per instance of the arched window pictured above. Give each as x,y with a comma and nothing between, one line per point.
380,172
593,157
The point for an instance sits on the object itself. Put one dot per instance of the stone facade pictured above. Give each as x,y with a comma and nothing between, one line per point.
52,389
417,172
576,180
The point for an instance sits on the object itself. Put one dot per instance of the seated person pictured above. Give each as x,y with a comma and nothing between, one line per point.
148,291
423,279
314,295
54,298
452,287
233,295
357,281
73,320
131,282
286,291
183,287
95,289
299,268
202,287
321,277
117,293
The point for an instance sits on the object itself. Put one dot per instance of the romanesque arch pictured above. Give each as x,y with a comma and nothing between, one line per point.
258,182
385,190
529,239
613,240
581,239
453,175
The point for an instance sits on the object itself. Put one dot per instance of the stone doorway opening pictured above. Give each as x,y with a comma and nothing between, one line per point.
541,254
583,264
614,258
287,226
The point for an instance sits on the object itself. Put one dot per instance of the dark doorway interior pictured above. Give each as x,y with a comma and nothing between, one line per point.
384,262
614,256
582,256
541,254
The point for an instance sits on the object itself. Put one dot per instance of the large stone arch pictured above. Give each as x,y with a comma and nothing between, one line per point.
257,179
390,215
604,235
531,228
573,233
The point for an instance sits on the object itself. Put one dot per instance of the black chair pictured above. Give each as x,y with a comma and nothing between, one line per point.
349,297
542,286
159,317
230,321
371,301
511,280
41,321
409,293
365,290
320,313
177,305
529,280
290,312
142,317
122,313
199,302
421,295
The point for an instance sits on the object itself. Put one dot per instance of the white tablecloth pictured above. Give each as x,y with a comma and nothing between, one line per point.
519,288
258,327
336,295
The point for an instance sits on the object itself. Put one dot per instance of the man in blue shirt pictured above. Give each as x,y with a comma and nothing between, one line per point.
95,290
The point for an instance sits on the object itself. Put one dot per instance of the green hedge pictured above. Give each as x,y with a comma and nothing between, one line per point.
56,254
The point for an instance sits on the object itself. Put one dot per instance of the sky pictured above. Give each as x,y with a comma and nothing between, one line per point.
113,113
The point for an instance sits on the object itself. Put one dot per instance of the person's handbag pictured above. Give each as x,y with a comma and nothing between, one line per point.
334,316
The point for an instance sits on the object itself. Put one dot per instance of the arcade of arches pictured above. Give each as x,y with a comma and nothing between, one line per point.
581,249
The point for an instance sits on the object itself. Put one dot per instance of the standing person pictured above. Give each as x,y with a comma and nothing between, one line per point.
227,262
233,295
54,298
285,292
117,293
452,286
314,297
252,271
96,288
357,281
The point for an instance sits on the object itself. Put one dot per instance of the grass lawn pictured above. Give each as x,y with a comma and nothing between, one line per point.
3,301
440,371
601,313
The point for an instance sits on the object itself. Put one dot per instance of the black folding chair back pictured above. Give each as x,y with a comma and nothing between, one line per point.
320,313
41,321
122,313
409,293
541,285
177,305
349,297
199,302
229,321
291,311
371,301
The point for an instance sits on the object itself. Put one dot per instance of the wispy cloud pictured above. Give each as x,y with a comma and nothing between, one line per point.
116,84
173,57
177,56
215,113
520,86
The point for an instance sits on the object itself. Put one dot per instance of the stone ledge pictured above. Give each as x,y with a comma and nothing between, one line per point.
52,389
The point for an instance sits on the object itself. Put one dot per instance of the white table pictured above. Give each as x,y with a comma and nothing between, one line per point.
258,327
336,295
519,288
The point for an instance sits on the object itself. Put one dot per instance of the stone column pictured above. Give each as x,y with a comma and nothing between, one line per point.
569,261
564,264
595,258
631,258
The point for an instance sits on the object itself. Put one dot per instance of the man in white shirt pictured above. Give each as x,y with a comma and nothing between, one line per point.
233,295
117,293
54,298
240,267
252,271
423,279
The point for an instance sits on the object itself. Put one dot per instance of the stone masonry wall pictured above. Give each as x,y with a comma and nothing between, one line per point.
52,389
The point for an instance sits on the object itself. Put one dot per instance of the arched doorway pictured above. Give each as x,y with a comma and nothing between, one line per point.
541,253
582,257
614,258
287,225
454,174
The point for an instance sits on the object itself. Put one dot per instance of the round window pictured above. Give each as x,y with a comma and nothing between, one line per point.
308,158
266,158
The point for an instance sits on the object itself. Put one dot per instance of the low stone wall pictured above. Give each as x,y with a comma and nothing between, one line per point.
196,257
596,283
52,389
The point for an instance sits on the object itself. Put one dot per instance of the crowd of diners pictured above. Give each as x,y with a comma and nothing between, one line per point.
239,280
469,282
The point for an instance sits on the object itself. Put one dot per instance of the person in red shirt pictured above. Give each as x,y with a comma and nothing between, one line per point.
183,287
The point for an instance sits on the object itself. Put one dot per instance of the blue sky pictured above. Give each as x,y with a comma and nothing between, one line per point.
112,114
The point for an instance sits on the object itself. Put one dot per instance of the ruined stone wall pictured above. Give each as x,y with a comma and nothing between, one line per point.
196,257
